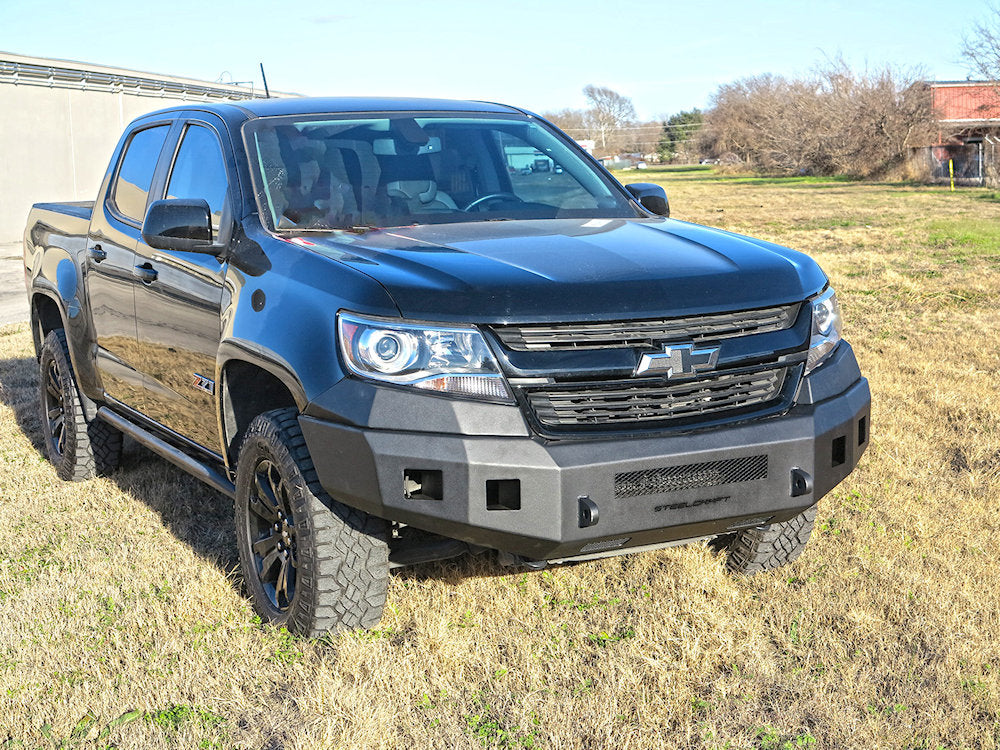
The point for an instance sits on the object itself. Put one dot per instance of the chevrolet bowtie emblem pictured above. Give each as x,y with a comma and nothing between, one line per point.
678,361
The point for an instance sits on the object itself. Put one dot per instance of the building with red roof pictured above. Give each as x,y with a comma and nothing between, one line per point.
963,107
968,134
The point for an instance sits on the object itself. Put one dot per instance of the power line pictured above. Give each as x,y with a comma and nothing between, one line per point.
658,125
655,127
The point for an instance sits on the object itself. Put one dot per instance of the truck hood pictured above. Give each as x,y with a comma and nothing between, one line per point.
562,270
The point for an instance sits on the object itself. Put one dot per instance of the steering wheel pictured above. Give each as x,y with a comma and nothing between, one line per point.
492,197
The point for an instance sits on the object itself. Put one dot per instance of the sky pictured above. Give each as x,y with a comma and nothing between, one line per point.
667,56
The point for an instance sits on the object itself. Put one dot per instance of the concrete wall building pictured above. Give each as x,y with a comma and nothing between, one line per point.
61,120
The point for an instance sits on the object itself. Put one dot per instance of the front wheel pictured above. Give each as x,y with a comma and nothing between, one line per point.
311,564
772,546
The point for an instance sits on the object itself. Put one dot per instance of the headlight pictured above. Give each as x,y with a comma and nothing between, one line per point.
447,360
826,329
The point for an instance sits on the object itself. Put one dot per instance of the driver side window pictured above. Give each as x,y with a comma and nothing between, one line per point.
200,172
130,190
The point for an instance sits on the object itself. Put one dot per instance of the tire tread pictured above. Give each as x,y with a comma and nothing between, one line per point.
772,546
92,448
343,576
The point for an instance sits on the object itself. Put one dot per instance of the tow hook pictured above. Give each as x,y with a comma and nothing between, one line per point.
510,560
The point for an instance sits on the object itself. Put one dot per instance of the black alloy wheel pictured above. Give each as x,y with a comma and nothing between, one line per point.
54,406
310,563
78,448
273,535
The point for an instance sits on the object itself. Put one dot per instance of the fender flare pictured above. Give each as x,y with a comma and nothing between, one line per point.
254,354
241,350
49,292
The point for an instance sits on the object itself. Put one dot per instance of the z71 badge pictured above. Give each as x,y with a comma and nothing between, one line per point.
202,383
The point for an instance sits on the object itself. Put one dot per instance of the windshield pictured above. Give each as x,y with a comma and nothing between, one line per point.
341,172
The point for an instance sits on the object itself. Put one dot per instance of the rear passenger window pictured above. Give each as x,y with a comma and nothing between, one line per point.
135,174
199,171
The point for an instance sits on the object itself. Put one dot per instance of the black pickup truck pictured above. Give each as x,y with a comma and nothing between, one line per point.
389,344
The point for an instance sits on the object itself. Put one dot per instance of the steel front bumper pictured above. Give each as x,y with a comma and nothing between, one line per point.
552,500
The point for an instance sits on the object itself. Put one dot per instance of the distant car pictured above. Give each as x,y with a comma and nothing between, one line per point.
526,170
557,169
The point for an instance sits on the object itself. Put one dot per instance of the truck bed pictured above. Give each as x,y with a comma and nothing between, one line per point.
56,225
76,209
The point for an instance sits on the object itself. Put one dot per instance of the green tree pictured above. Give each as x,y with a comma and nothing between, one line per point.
679,133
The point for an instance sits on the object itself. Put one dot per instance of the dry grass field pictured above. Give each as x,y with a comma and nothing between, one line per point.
122,622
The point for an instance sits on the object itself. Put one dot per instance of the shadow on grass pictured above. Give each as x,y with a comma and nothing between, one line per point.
193,512
19,390
459,569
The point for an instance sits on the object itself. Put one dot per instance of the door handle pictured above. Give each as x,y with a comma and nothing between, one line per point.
145,273
97,253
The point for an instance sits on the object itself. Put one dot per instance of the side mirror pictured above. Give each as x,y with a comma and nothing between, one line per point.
179,224
652,197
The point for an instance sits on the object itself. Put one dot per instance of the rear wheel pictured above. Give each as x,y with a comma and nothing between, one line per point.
767,547
311,564
77,448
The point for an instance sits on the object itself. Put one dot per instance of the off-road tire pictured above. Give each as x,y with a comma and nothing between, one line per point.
340,554
77,448
772,546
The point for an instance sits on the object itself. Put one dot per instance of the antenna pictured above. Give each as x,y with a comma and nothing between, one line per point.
267,93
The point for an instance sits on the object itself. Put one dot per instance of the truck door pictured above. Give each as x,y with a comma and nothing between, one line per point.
178,302
110,262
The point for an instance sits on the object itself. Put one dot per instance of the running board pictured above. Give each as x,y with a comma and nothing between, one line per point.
202,470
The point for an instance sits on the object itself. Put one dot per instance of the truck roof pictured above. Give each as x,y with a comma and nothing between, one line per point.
320,105
317,105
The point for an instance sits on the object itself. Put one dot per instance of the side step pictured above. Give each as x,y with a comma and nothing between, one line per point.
202,470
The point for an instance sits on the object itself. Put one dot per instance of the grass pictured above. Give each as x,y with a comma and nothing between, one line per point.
707,172
122,623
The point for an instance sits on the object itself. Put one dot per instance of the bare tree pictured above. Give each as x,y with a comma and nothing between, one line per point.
573,121
981,50
833,122
609,113
981,46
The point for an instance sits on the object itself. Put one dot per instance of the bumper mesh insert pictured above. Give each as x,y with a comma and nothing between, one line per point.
689,476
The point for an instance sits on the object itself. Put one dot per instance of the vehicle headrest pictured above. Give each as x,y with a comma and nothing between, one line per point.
423,190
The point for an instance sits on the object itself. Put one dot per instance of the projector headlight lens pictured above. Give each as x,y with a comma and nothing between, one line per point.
827,326
453,360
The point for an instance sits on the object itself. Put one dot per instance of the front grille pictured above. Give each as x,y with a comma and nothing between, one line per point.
644,333
630,403
690,476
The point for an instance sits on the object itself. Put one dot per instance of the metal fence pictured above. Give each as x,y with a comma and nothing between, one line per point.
77,76
972,163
